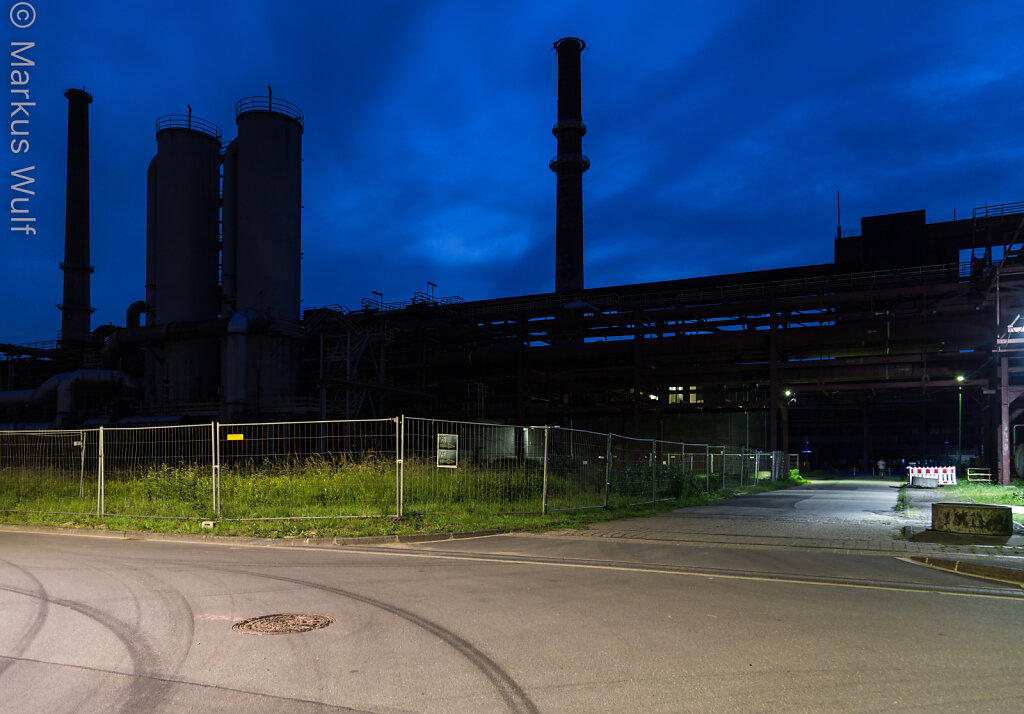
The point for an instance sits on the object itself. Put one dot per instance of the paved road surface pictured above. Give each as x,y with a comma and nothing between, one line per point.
661,615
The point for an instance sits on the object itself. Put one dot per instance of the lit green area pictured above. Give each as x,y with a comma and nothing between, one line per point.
340,498
993,494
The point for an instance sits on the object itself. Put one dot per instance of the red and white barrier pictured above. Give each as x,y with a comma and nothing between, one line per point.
945,474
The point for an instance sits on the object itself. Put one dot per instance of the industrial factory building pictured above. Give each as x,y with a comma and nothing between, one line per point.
907,347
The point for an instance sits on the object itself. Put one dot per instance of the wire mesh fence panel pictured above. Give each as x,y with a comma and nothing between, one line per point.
716,467
749,467
158,471
696,465
632,472
578,469
732,468
351,468
452,465
669,472
763,465
53,471
324,469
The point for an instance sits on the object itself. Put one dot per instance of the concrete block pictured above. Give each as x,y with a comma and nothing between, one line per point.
924,481
972,518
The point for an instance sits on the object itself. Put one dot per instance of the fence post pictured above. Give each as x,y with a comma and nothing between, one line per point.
544,487
707,468
81,473
607,469
99,477
400,465
214,468
683,479
743,459
723,468
654,470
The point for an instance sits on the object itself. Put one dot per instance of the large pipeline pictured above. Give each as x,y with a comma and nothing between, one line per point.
173,331
64,386
133,317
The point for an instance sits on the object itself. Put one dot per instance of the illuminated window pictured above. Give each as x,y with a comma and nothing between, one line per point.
686,395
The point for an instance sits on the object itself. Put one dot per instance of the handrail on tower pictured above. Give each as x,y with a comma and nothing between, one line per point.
188,121
269,104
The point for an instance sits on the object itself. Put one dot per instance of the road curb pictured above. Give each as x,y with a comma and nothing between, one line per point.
977,570
248,540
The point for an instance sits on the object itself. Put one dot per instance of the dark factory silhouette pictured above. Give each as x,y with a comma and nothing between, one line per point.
900,346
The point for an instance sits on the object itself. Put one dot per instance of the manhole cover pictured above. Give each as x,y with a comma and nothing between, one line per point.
283,624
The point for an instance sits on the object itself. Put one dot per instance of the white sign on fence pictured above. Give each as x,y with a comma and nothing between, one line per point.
447,451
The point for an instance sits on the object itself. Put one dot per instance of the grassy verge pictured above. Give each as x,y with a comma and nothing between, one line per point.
902,502
979,492
465,517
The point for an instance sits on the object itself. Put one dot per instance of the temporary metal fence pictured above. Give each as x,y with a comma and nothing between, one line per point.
159,471
49,471
322,469
355,468
472,466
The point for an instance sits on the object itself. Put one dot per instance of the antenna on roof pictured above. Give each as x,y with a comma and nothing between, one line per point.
839,218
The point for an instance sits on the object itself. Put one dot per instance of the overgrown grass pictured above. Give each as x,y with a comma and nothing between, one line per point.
902,501
980,492
309,487
346,498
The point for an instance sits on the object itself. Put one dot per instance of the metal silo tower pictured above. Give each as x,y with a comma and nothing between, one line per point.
182,259
265,200
261,256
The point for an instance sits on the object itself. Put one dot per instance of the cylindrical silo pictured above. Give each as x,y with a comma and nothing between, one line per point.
151,255
152,381
184,256
268,186
262,250
185,283
229,230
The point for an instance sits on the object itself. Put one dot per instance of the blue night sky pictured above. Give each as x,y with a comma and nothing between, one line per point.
718,133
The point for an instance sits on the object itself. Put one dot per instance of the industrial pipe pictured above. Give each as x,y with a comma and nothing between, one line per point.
64,386
161,333
135,311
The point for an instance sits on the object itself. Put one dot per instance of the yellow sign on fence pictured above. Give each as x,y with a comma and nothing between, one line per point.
236,437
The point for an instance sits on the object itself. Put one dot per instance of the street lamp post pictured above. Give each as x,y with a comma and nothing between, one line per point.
959,420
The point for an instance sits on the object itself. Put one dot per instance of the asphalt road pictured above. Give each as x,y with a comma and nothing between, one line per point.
591,621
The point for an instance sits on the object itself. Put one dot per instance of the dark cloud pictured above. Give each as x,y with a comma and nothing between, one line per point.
718,136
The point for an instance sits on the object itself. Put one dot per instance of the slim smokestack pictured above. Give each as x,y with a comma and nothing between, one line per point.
569,165
76,312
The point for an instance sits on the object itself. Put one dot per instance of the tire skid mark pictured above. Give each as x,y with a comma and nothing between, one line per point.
186,683
515,698
113,578
34,627
176,607
141,695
